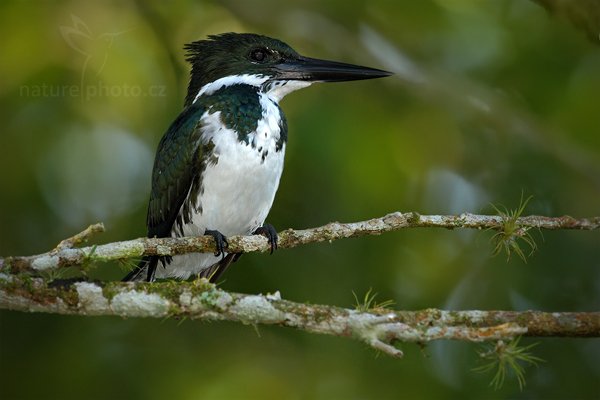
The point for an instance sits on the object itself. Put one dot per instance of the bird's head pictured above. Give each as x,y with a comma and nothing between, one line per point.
261,61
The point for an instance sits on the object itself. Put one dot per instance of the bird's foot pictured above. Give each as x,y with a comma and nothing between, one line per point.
220,242
270,233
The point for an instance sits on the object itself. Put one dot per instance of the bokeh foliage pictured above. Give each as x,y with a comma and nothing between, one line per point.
490,99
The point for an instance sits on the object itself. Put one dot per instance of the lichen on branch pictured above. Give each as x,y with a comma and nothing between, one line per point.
67,256
380,328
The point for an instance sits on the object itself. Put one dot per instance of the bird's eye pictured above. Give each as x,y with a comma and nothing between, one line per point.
258,55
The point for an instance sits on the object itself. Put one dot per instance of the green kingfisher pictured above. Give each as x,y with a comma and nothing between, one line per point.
218,166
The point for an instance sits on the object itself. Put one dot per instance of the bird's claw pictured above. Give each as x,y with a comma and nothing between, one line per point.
270,233
220,242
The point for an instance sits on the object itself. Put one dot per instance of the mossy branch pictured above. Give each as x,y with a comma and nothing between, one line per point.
380,328
67,256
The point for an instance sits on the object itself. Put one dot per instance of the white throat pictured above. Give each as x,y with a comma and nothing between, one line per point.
210,88
276,90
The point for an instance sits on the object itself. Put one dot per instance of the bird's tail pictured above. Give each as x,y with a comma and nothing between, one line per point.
144,270
214,272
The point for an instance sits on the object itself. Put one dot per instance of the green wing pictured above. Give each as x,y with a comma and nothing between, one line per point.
176,174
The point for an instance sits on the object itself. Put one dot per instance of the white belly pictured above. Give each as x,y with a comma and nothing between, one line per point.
237,191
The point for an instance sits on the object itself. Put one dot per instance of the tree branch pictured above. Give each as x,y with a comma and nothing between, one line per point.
80,238
66,256
380,328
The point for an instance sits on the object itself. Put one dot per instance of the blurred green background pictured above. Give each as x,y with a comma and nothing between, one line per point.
490,99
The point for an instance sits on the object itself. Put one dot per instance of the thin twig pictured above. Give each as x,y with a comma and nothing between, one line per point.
80,238
380,328
137,248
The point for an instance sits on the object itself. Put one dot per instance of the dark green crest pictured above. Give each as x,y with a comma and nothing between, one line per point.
233,54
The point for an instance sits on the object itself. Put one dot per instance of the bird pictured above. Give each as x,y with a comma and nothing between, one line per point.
217,167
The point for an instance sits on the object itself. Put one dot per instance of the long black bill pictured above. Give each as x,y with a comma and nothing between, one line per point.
313,69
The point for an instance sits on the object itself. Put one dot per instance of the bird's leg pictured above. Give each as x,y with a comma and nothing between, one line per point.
220,242
270,233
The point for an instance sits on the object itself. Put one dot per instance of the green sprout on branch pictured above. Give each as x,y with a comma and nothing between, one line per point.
89,260
368,302
507,357
128,264
511,235
52,274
